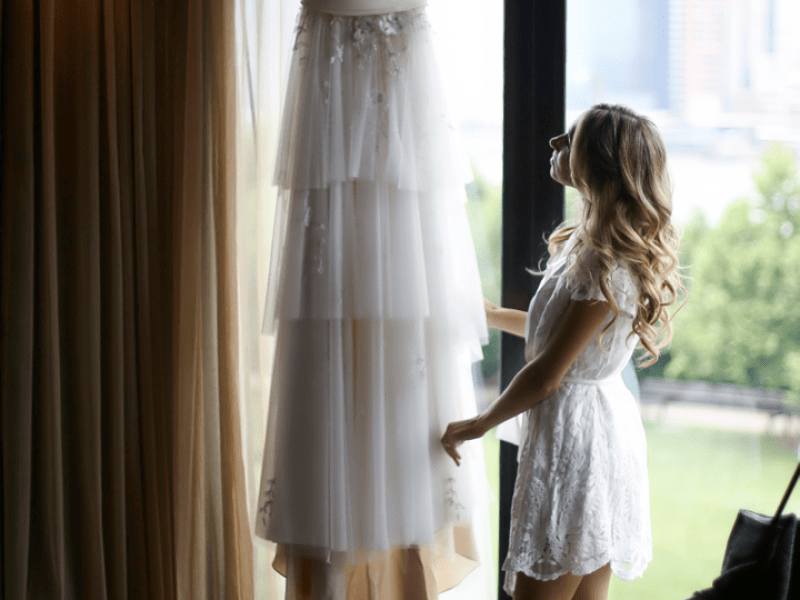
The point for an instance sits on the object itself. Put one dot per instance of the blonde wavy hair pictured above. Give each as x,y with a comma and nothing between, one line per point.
618,164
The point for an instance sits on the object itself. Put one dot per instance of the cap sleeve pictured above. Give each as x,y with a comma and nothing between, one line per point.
583,283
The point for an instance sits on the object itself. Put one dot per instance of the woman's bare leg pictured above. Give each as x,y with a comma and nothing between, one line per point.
413,575
301,582
562,588
567,587
595,585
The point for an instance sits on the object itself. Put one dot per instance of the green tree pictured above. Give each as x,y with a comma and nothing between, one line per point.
484,211
692,235
571,199
741,324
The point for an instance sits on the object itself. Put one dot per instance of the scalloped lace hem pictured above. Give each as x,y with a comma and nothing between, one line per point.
625,570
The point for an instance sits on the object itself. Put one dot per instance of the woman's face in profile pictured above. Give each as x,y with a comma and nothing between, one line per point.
559,162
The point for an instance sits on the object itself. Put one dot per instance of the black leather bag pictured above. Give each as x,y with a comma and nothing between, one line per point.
762,559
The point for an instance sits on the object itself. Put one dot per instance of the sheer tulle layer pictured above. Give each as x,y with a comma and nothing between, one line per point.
366,250
364,101
361,417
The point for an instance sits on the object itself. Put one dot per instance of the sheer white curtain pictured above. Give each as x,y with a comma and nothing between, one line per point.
265,31
264,41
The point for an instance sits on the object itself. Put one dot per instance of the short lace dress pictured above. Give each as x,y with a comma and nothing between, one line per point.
581,497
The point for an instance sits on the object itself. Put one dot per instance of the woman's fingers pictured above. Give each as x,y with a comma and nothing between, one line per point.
454,455
453,436
449,444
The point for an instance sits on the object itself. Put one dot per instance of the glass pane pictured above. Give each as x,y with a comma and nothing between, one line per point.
721,79
470,51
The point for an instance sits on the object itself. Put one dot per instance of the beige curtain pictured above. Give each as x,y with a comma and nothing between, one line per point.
122,466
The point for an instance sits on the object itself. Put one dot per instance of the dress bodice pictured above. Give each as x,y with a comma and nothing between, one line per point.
547,307
362,7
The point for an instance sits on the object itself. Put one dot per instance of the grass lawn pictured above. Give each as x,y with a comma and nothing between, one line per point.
699,479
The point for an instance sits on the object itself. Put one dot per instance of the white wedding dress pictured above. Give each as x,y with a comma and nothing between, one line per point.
375,301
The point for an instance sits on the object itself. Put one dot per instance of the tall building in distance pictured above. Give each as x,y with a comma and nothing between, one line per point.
618,50
741,63
731,64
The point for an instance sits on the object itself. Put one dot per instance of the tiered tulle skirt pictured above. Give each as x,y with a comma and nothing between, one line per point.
375,301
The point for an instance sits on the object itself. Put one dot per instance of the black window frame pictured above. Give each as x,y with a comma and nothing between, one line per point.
533,204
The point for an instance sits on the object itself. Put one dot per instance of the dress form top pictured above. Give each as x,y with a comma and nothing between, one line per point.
362,7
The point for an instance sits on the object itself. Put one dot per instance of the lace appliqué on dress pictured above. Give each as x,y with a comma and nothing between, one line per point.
265,503
456,510
366,34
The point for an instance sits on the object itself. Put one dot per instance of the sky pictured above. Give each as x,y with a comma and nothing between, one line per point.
469,43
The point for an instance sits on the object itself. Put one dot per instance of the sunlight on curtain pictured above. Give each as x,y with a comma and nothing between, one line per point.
263,45
213,546
264,30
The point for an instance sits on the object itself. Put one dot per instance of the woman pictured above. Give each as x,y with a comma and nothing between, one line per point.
580,510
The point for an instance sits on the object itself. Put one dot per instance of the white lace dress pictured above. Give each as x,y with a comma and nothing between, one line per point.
375,304
581,497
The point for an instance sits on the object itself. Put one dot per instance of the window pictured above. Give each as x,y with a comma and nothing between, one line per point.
727,389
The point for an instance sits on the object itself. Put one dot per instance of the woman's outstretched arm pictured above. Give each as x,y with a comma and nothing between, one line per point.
539,378
509,320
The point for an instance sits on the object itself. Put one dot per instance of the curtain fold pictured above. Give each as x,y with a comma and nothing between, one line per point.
237,531
122,466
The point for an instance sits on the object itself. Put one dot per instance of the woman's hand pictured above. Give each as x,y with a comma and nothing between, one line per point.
461,431
491,311
489,306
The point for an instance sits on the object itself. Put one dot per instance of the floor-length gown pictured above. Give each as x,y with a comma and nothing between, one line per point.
375,301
